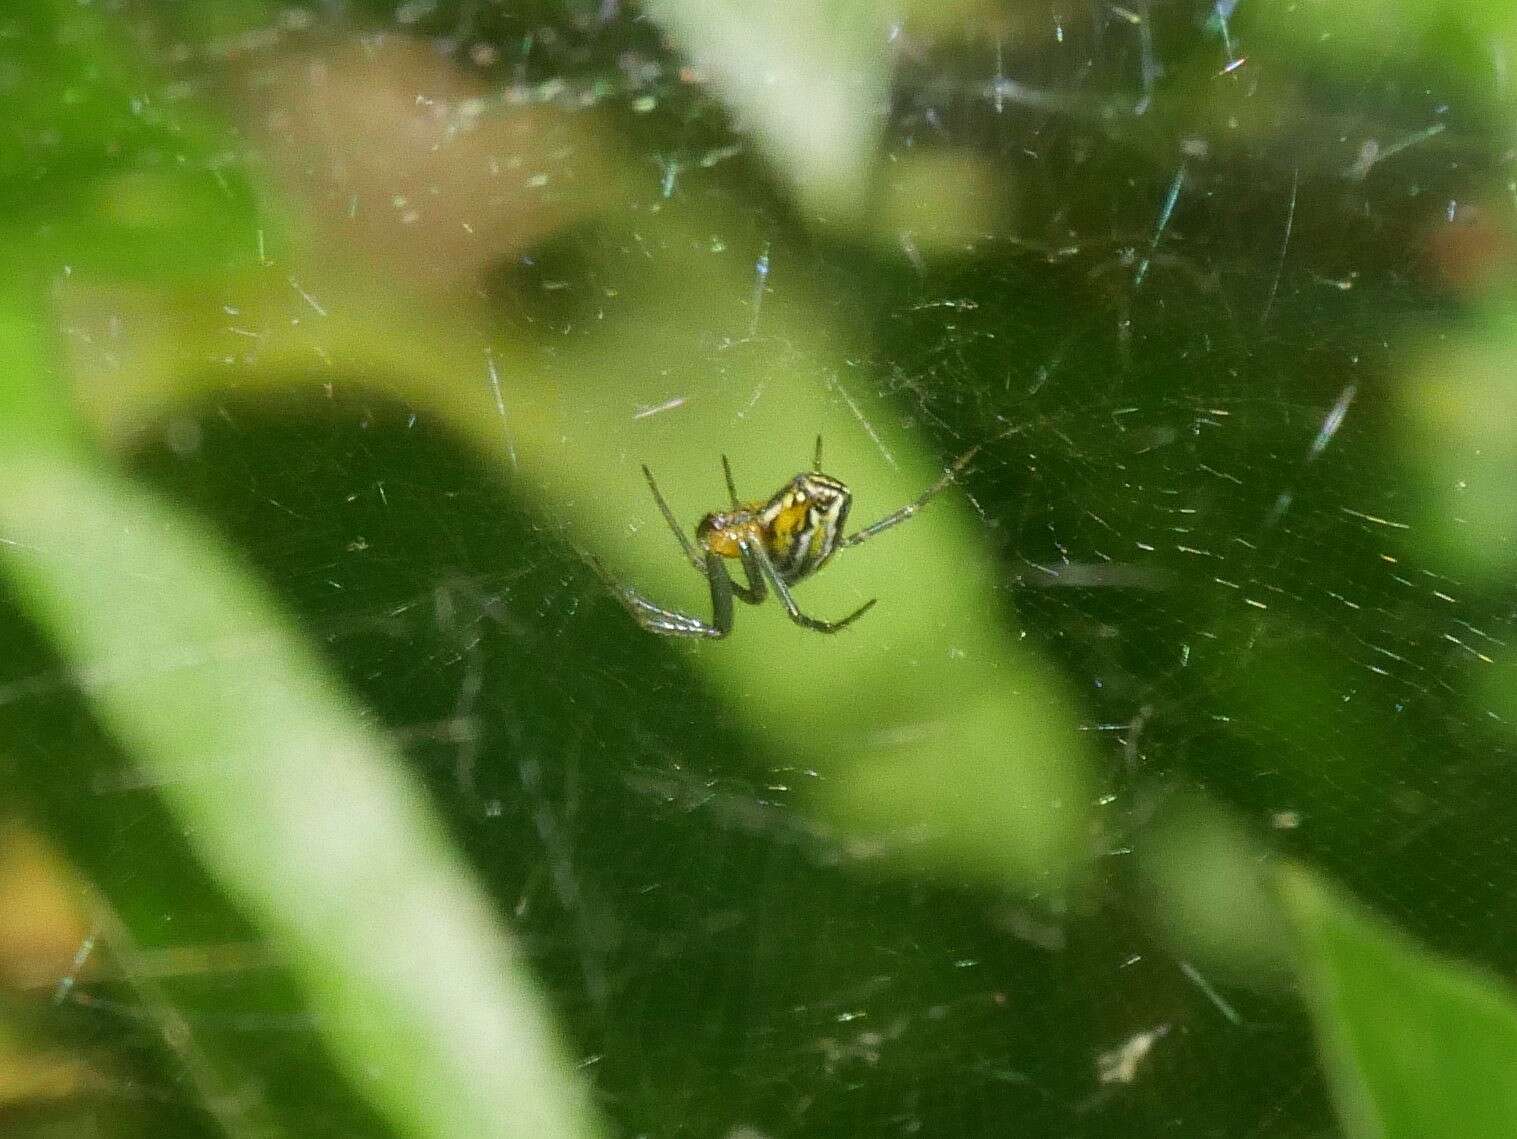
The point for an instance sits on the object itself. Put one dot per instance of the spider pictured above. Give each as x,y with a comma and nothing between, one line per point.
780,542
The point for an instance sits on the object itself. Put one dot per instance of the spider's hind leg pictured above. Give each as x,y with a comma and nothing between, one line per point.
949,476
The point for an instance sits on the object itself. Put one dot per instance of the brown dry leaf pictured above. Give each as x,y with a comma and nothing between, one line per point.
396,157
43,911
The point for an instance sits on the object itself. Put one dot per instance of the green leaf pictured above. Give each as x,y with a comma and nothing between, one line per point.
1416,1046
809,80
1001,790
1456,412
99,168
306,816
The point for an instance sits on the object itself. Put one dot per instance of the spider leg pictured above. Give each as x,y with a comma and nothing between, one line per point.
755,591
684,542
759,566
731,485
670,622
722,588
911,508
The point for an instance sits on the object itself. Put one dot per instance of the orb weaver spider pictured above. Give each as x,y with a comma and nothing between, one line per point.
779,542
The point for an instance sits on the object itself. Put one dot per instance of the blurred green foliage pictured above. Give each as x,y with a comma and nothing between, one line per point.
188,665
104,167
1415,1045
412,294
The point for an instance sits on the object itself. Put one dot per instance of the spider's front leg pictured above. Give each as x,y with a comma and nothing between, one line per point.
721,595
755,592
671,622
761,569
679,535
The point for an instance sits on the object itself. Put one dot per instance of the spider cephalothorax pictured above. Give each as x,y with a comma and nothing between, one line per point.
779,542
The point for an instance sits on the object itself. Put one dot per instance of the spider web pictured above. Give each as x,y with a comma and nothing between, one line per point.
1205,518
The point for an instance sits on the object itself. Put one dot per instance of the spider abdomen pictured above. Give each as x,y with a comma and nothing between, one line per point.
802,524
